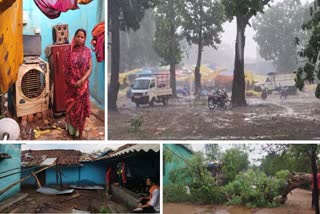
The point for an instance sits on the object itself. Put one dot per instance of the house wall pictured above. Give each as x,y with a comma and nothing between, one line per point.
177,163
14,150
88,173
145,165
94,172
86,17
25,173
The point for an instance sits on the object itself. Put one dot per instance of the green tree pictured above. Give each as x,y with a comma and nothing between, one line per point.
289,161
310,151
276,31
202,24
203,187
243,11
234,160
141,42
123,15
167,39
310,51
212,151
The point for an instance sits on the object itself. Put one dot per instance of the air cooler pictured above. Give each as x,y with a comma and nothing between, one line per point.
32,87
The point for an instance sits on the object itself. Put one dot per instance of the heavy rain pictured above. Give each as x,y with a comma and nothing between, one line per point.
213,71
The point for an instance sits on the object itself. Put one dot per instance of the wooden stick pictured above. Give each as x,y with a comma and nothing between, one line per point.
37,180
23,179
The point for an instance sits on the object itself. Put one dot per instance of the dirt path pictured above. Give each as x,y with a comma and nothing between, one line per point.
297,117
298,202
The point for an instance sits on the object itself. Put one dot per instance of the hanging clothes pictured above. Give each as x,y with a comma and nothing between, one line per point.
11,43
124,175
53,8
98,41
5,4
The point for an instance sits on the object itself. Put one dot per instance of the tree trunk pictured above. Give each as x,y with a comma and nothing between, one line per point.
197,74
315,196
172,49
238,97
115,55
294,181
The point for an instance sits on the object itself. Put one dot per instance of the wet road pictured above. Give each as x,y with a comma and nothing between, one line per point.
298,202
296,118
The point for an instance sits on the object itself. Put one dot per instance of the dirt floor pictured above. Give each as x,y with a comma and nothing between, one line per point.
298,202
92,201
297,118
54,127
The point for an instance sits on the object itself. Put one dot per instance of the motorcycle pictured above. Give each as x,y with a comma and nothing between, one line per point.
220,100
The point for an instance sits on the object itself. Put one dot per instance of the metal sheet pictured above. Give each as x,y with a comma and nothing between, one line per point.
87,187
48,162
51,191
136,148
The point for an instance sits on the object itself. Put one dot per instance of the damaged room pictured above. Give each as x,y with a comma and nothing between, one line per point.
52,70
63,178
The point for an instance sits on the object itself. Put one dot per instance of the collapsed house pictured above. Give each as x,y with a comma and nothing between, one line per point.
72,167
60,172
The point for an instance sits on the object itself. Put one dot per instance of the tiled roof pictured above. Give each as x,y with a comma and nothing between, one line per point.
64,157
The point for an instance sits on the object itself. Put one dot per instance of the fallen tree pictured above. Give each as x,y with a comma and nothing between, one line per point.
294,181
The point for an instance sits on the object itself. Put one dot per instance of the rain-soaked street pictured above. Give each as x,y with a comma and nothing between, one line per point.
297,118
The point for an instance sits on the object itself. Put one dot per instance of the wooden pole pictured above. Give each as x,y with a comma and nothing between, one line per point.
23,179
37,180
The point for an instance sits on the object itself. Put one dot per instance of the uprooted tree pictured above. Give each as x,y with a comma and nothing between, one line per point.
310,151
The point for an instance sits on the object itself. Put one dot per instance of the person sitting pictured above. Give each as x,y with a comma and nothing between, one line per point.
150,204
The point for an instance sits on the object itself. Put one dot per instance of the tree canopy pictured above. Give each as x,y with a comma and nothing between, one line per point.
310,71
276,31
234,160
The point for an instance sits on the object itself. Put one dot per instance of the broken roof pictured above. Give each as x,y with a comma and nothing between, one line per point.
37,157
133,148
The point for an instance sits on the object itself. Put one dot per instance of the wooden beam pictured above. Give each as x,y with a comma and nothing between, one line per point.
23,179
36,178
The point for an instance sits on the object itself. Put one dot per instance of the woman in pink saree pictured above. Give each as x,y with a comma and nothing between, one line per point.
78,67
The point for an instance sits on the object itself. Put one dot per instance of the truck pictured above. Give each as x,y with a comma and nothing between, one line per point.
276,82
279,81
151,88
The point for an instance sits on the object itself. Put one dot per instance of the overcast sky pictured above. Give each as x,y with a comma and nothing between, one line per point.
87,147
253,156
230,30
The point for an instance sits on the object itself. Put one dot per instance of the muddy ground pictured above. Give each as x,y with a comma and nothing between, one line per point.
54,127
92,201
298,202
297,118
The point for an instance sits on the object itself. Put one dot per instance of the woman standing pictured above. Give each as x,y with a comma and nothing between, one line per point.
78,67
